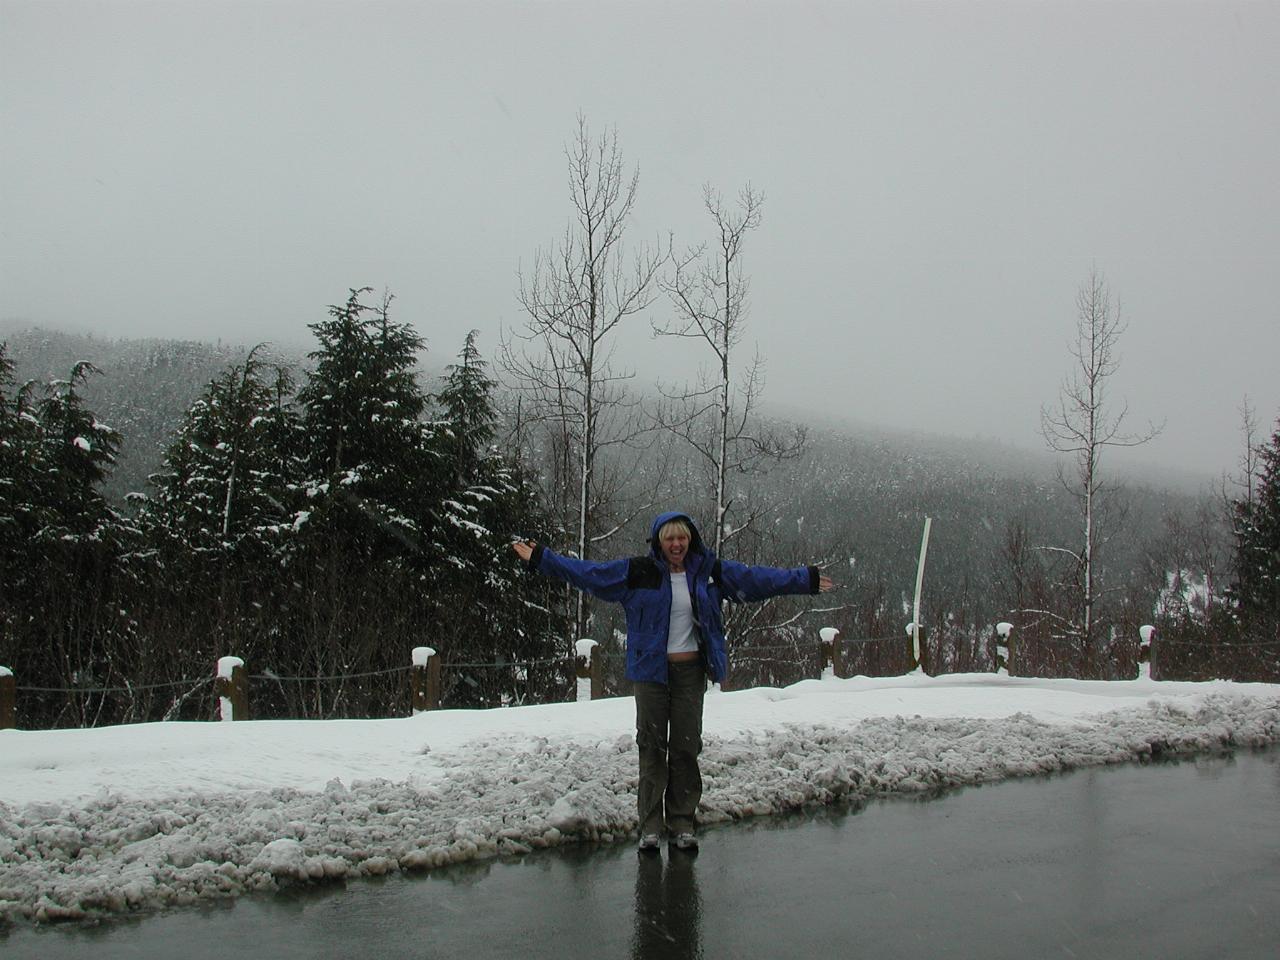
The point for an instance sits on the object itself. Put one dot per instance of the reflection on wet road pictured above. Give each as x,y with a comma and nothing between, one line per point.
1172,861
668,906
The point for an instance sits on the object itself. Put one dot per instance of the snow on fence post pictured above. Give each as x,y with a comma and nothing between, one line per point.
8,699
1004,648
424,680
231,687
1147,653
588,669
832,662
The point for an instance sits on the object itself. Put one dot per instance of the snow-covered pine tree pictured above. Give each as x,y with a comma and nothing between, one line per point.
352,601
20,506
370,464
75,455
61,602
219,521
1256,589
494,615
228,473
17,442
466,401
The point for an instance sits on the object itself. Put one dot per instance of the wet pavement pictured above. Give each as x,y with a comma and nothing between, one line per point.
1169,860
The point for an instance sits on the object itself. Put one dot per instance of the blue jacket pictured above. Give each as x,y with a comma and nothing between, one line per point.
643,586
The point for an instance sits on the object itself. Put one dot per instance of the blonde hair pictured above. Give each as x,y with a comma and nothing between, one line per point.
679,523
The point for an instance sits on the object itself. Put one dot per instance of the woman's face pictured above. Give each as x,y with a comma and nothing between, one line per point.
675,546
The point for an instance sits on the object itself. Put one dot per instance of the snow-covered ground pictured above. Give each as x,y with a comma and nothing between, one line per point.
124,818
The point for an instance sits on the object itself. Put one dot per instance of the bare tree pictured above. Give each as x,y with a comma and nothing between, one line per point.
1083,423
580,292
1248,462
716,416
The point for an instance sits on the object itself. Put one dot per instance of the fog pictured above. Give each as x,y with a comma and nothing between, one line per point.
940,180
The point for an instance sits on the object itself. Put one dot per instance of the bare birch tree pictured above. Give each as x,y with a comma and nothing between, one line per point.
1082,424
580,292
716,417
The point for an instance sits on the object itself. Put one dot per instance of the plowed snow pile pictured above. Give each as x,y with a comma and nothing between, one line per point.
125,818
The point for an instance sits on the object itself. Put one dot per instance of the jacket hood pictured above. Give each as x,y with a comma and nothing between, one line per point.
695,542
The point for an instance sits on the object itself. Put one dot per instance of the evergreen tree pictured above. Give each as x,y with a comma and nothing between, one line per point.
494,615
228,473
222,518
17,444
466,401
368,455
1257,533
74,457
64,584
20,506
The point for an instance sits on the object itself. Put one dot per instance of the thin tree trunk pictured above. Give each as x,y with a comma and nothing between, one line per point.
723,456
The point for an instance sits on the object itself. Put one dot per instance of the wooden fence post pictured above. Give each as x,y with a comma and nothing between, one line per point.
1004,648
231,687
8,699
832,661
1147,667
424,680
590,681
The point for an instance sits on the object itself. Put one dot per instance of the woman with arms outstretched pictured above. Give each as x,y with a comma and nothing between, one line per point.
675,644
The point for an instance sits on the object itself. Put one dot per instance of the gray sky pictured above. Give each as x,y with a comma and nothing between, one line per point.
940,180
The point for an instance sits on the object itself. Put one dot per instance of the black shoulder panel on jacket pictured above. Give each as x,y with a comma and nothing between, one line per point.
643,574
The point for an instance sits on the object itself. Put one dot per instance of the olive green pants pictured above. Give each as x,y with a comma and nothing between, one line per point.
669,735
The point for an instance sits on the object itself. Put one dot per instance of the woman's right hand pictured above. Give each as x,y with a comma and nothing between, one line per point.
524,549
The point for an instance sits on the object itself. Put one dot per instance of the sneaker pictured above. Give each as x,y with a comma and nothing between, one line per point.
650,841
685,841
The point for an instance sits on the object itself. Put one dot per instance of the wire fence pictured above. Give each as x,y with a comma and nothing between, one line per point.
469,683
273,677
128,688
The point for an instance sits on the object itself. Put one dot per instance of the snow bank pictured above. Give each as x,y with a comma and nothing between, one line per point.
473,784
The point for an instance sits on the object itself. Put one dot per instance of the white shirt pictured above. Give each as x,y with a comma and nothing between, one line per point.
681,635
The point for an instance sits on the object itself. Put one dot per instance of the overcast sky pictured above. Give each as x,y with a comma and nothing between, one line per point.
940,179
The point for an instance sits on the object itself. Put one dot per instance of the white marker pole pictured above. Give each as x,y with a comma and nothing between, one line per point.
915,610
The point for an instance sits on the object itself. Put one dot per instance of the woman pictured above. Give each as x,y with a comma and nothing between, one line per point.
675,643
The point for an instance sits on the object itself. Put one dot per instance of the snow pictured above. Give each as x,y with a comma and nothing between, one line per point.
5,672
1185,592
118,819
422,656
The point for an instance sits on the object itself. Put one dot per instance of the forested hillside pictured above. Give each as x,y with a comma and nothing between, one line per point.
321,516
142,390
